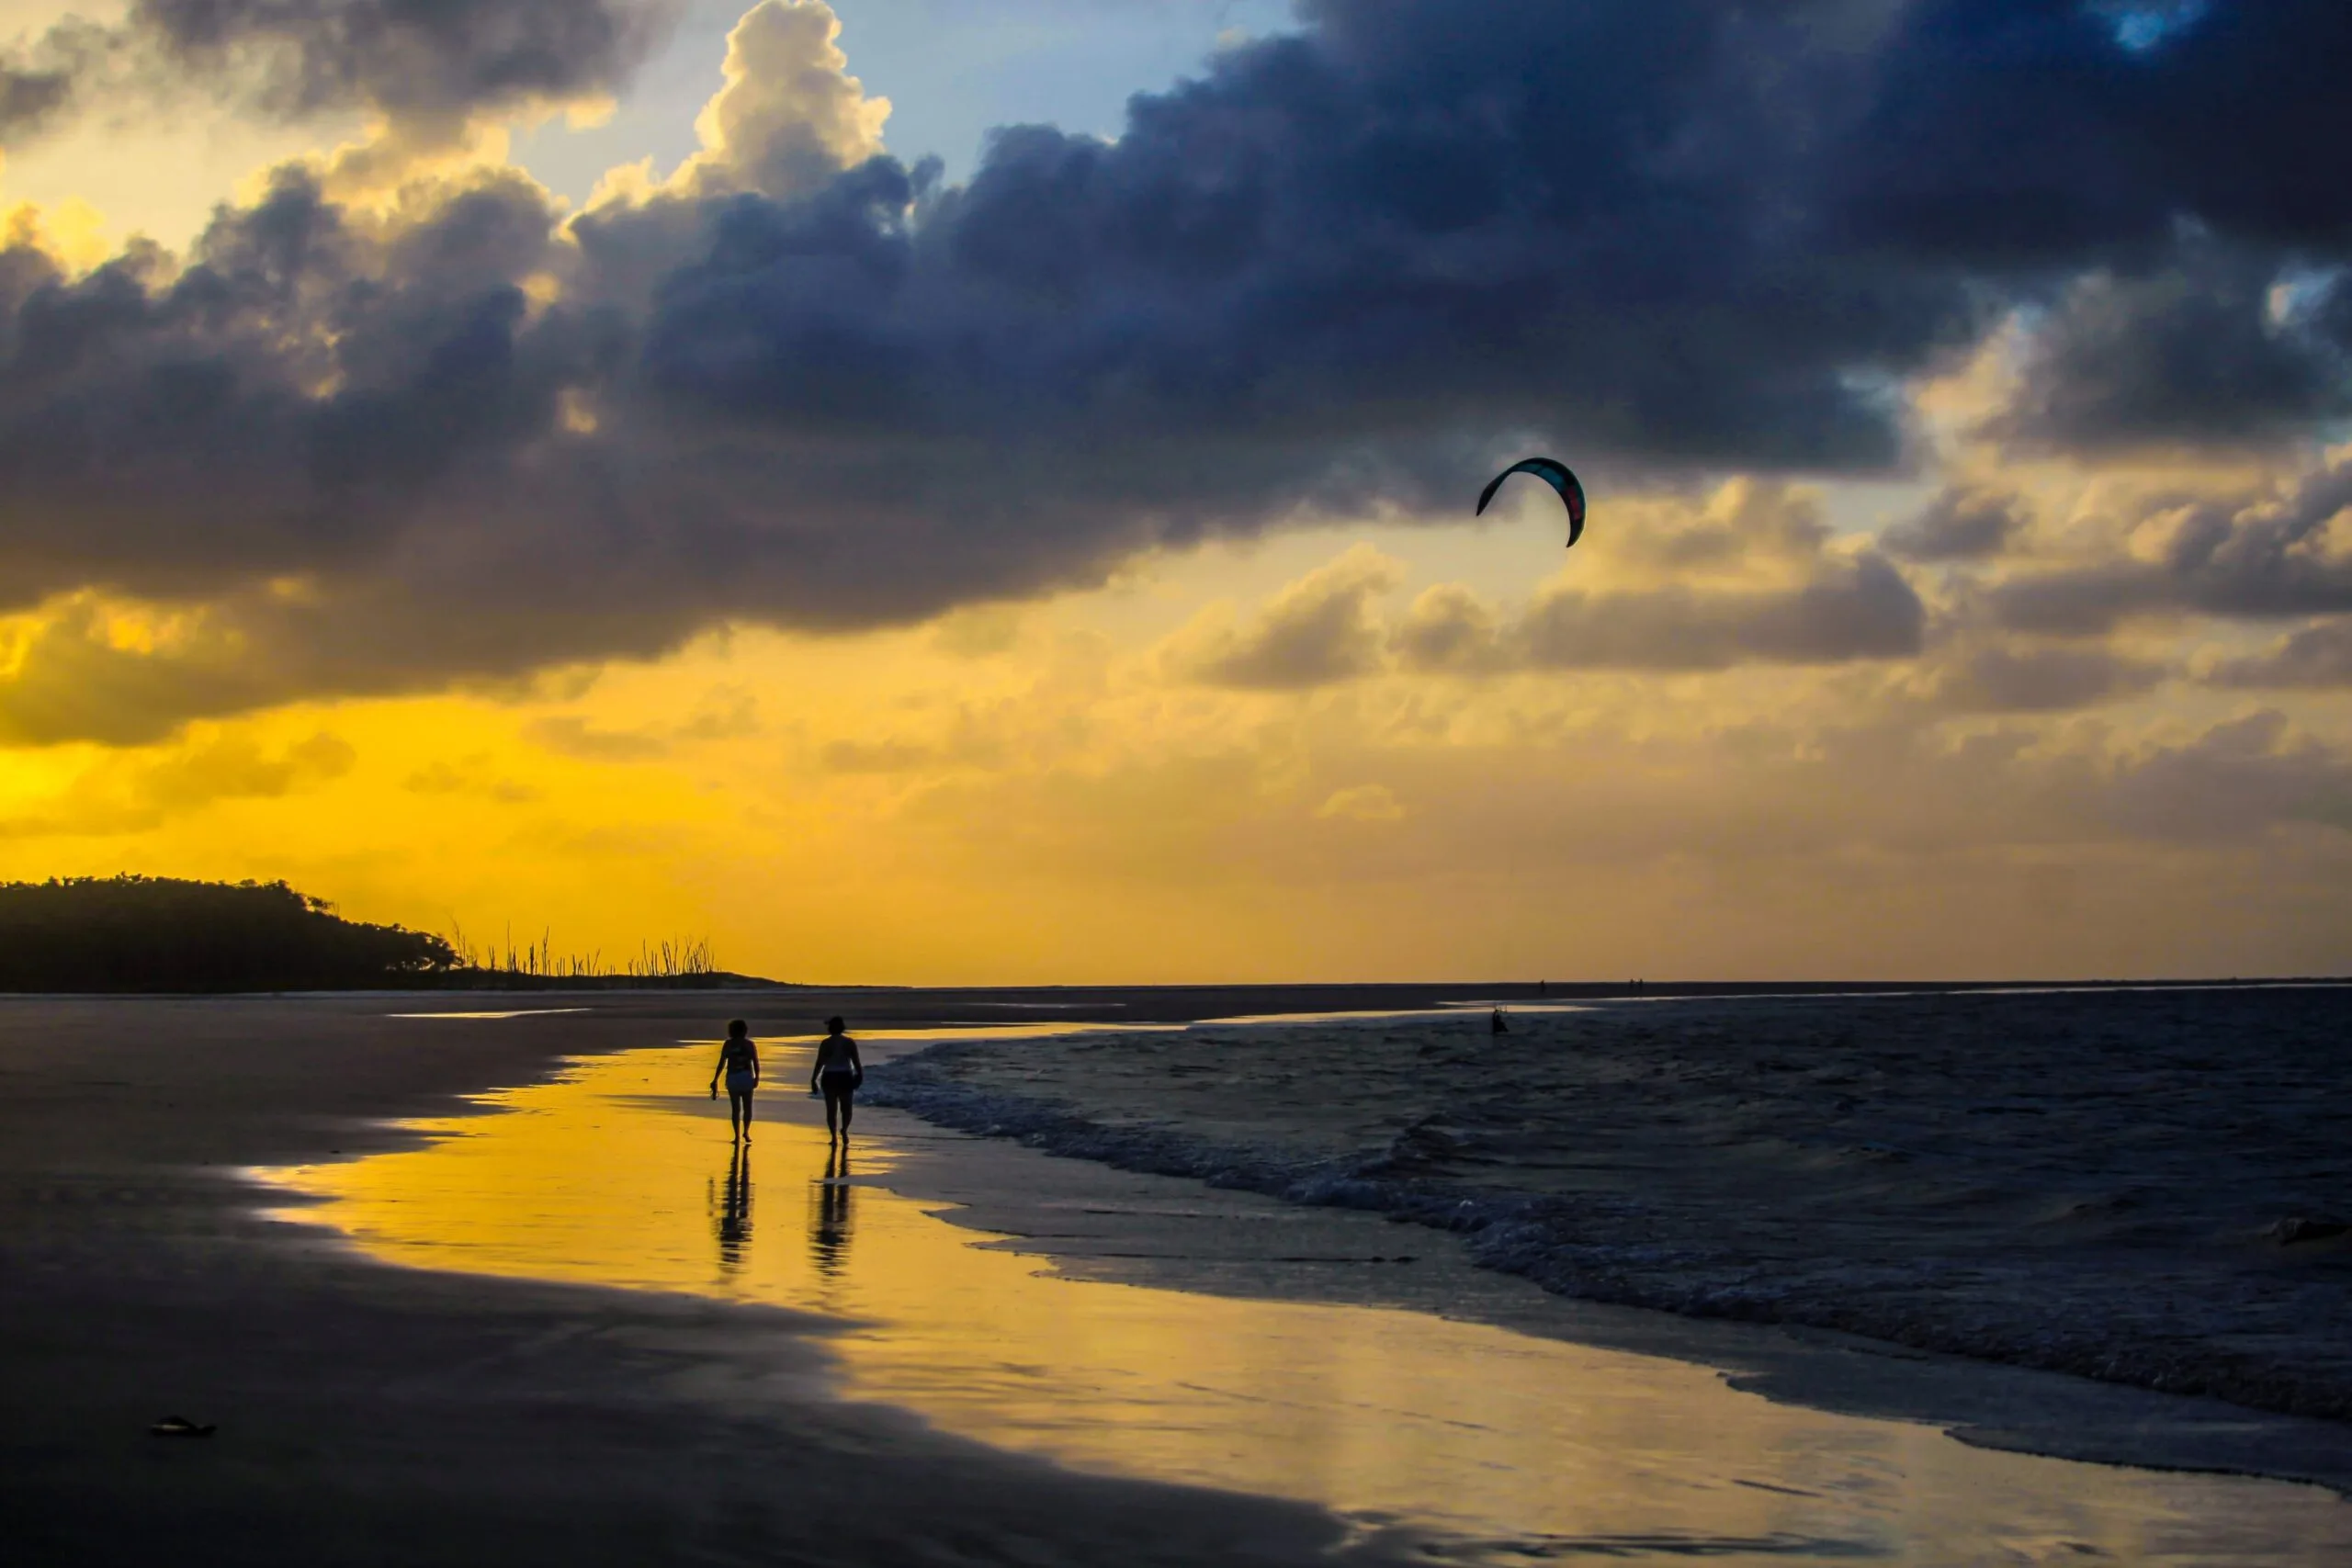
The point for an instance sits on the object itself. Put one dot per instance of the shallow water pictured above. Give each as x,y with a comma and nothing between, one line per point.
1497,1446
2100,1182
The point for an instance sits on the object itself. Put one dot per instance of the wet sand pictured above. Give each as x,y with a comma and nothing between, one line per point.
373,1414
414,1414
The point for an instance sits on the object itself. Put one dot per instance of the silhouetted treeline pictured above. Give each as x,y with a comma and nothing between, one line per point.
154,933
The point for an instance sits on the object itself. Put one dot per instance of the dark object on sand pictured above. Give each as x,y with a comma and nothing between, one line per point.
1553,472
181,1426
2287,1232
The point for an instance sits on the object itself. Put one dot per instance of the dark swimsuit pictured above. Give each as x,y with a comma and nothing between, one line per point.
739,1078
838,1081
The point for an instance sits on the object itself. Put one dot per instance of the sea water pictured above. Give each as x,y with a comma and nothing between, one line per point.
1486,1444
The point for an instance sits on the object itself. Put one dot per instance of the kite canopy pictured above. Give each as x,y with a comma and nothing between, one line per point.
1551,472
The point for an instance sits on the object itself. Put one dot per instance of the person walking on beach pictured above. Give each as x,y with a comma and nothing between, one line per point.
836,1076
740,1060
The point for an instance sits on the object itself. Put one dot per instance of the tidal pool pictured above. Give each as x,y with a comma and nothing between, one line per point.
1500,1446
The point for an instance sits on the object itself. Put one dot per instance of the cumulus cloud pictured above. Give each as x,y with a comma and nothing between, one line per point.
1362,803
575,737
1747,575
1777,595
409,61
1959,524
1320,629
2281,553
1450,630
790,115
2317,656
726,714
470,775
2250,772
130,794
1850,609
1998,679
1340,272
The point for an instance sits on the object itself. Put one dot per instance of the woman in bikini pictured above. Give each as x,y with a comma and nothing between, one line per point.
836,1076
740,1060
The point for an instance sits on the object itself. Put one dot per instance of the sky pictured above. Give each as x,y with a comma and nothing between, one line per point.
936,492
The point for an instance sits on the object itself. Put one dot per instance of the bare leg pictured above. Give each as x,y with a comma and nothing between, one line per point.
832,1113
848,1105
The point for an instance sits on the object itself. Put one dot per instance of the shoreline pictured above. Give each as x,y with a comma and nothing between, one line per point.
1201,1002
1491,1436
1099,1221
1418,1179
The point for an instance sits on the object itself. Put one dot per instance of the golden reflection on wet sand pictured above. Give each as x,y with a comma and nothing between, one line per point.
616,1177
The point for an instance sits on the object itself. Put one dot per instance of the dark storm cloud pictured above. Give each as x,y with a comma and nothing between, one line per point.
289,402
413,60
2050,132
2025,137
1395,229
1341,270
2265,559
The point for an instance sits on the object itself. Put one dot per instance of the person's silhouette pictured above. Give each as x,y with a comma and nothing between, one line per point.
836,1076
740,1060
1497,1025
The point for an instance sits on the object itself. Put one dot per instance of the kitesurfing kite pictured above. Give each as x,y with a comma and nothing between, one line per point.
1551,472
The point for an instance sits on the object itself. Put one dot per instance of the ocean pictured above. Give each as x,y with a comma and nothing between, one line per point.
2146,1187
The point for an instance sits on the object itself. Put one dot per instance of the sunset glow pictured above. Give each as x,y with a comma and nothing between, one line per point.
2019,664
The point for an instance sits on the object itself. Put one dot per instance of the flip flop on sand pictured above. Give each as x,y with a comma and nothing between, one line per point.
180,1426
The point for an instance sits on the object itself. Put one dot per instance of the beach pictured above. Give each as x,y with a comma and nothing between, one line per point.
377,1415
567,1318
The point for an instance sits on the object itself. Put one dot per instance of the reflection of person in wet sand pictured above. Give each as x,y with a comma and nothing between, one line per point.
828,1225
740,1060
735,1211
837,1075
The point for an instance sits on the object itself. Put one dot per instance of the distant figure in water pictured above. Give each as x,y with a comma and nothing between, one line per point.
740,1060
1500,1026
836,1076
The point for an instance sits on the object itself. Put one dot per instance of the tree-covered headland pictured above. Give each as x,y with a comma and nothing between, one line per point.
154,933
